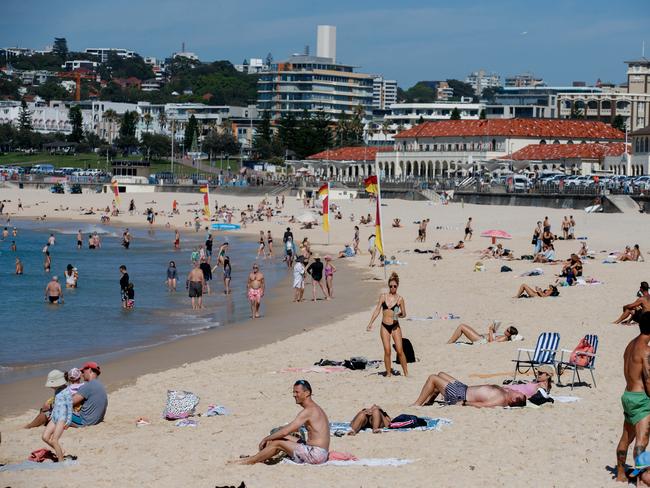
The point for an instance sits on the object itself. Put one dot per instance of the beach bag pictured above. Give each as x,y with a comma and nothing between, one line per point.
579,359
180,404
505,269
405,421
41,455
409,352
356,363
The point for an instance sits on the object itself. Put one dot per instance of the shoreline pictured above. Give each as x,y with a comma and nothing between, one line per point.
281,320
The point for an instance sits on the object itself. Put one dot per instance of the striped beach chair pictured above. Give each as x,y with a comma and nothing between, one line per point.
563,365
544,353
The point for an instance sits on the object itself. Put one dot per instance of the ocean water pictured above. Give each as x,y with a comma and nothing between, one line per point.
35,335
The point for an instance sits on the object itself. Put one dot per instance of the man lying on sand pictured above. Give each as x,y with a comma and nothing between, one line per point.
454,392
313,418
632,311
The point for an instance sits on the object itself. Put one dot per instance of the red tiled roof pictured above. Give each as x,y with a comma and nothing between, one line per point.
361,153
554,152
555,128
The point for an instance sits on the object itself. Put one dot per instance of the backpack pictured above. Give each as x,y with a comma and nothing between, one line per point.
408,350
505,269
405,421
580,359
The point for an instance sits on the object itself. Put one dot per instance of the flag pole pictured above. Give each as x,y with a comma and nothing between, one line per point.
381,220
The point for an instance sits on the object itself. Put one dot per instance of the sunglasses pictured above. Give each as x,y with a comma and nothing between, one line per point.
392,286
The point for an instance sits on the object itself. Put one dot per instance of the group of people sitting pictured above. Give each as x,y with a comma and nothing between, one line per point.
79,400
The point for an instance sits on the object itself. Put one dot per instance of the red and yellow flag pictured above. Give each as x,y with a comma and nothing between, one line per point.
206,201
371,184
116,191
324,193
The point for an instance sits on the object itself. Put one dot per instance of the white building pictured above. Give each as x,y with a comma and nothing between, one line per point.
480,80
252,66
524,80
103,52
384,93
46,118
80,64
455,147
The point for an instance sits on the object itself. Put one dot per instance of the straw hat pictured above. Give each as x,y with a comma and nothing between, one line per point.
55,378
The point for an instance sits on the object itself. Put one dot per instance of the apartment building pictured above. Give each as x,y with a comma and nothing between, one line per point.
480,80
104,52
314,83
384,93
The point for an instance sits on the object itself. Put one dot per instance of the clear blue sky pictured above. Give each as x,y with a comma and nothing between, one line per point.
405,40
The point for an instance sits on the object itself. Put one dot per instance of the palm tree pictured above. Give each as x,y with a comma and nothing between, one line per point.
110,116
162,120
385,128
148,119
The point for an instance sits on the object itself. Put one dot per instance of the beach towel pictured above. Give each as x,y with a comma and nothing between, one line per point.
432,424
358,462
214,410
186,423
26,465
435,316
315,369
588,282
533,272
566,399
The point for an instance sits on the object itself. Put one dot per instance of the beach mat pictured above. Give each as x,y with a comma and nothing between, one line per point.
432,424
358,462
31,465
316,369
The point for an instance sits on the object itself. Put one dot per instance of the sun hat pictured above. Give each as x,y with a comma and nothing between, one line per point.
74,374
641,463
55,378
92,365
327,257
546,368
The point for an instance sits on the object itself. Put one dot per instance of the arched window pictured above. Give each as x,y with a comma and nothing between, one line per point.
542,142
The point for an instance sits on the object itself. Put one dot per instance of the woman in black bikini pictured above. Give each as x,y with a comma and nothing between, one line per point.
392,306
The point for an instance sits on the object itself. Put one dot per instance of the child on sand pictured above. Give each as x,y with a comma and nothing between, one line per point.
61,412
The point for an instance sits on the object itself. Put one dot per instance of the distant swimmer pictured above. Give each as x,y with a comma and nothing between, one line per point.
126,239
13,246
255,287
172,276
124,283
14,232
5,233
19,266
51,240
47,261
53,291
80,238
177,240
71,276
227,274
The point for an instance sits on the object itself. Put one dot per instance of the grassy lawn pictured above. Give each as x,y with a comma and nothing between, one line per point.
92,160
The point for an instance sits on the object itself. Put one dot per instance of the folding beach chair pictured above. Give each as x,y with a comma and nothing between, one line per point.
544,353
563,365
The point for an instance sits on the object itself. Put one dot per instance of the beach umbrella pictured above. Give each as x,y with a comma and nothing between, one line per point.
307,217
496,234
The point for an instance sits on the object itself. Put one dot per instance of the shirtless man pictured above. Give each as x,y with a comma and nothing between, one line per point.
53,291
255,287
313,418
19,266
468,230
454,392
633,310
635,399
194,286
80,238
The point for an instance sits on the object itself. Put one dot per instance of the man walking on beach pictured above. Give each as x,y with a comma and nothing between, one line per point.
255,287
635,399
468,230
53,291
194,285
313,418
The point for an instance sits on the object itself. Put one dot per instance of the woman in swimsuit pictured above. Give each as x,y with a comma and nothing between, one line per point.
269,241
227,272
177,240
374,418
172,276
47,263
392,306
260,249
476,338
330,269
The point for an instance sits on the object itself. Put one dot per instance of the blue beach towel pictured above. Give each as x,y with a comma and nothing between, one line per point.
28,465
432,424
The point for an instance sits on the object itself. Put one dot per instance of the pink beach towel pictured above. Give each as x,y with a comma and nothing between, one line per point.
341,456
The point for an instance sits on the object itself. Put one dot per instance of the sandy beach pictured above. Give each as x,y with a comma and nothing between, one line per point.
565,444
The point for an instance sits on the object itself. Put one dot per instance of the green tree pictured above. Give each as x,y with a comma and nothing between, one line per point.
490,92
8,88
93,141
52,90
191,131
127,139
576,112
155,145
461,89
455,114
482,115
8,136
215,143
60,48
263,141
148,119
421,92
24,138
287,131
76,121
618,122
